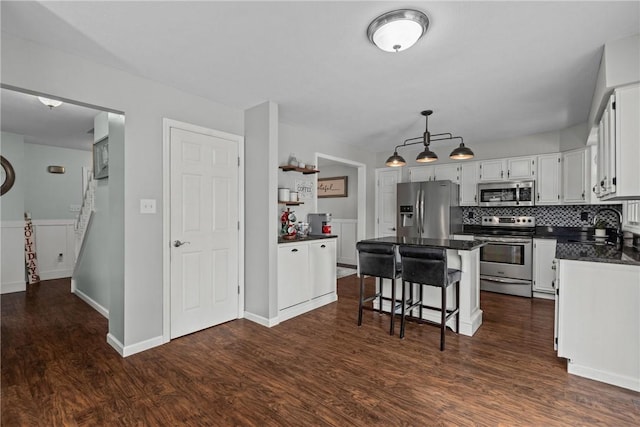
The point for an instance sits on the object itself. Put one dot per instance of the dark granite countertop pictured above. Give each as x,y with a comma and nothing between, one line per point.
307,238
597,252
462,245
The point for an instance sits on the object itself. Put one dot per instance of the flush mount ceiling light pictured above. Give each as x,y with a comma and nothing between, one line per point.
397,30
460,153
51,103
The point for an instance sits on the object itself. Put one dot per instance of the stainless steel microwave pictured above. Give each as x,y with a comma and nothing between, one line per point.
508,193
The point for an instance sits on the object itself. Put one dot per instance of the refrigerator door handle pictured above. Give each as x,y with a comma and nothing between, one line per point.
421,220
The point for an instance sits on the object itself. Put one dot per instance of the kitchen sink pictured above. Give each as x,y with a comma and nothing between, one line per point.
591,242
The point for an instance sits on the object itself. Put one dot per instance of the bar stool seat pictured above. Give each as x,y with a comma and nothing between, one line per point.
428,266
378,260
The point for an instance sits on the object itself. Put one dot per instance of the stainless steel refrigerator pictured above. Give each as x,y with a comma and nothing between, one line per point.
428,209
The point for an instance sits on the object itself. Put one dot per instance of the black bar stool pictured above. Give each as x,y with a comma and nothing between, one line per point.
428,266
378,260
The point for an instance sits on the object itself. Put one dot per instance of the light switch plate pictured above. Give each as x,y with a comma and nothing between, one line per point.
147,206
74,208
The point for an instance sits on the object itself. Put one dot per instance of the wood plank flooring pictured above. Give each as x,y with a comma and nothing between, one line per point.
317,369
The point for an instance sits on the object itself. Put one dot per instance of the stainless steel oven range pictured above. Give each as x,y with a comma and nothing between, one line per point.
506,260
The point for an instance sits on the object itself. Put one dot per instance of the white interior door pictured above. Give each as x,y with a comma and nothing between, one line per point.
204,218
386,201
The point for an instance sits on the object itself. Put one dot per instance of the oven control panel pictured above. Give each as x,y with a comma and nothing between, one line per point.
508,221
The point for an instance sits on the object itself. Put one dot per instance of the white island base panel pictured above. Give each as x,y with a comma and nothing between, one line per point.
599,321
470,313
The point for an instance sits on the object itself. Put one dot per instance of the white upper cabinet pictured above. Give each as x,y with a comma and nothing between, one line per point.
447,171
469,174
421,173
576,176
548,182
619,146
493,170
521,168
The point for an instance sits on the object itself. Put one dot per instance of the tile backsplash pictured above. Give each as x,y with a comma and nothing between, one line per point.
555,216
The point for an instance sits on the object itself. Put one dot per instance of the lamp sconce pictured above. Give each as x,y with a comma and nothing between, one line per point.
460,153
55,169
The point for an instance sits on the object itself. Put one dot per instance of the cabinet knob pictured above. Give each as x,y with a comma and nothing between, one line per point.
393,229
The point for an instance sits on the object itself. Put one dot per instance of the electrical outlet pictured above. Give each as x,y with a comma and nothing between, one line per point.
74,208
584,216
470,215
147,206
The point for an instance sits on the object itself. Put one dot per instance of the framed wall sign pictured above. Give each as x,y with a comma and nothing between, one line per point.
101,159
332,187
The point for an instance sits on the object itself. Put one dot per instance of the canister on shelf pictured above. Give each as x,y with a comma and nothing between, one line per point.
284,194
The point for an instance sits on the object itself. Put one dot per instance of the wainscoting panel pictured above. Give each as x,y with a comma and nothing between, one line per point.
13,266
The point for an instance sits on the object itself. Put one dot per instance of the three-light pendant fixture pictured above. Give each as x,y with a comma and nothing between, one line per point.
460,153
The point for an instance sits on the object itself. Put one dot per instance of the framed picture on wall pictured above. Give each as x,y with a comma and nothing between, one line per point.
332,187
101,159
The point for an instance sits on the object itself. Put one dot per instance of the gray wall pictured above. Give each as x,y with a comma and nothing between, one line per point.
136,257
341,207
47,195
12,202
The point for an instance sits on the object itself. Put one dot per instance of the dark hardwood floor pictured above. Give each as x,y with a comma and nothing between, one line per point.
316,369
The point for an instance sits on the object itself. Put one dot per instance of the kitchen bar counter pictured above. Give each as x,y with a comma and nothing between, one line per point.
461,254
307,238
596,252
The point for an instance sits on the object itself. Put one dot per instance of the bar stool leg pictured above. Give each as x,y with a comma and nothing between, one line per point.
421,304
393,304
360,300
443,317
404,304
457,289
380,295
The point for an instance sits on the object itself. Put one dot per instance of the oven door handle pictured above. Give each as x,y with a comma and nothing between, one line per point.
501,280
502,240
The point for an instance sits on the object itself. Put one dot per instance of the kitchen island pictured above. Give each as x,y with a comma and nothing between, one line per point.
461,254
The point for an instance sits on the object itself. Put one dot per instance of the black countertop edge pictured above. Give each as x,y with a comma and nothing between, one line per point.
307,238
462,245
611,254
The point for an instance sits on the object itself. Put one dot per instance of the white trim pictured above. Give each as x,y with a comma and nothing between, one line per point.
129,350
627,382
48,222
362,191
377,191
261,320
117,345
167,124
12,224
10,287
56,274
544,295
298,309
92,303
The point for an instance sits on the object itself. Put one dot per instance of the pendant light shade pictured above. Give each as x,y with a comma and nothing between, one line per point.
461,153
397,30
426,156
395,160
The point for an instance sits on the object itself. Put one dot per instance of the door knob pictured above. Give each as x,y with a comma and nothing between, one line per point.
393,229
178,243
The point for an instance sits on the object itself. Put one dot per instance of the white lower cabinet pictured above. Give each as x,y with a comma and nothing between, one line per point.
346,230
544,252
306,276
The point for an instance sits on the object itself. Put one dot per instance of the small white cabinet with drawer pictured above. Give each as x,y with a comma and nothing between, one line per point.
306,276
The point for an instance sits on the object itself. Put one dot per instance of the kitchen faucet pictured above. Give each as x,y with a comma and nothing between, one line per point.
618,216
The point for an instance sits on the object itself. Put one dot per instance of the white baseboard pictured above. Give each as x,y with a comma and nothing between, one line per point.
56,274
623,381
543,295
10,287
129,350
261,320
84,297
117,345
304,307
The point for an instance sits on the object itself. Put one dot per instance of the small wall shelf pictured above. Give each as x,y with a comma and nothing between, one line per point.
290,203
305,171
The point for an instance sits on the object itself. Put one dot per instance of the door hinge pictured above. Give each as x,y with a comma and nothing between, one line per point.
613,105
238,289
558,159
613,180
556,340
238,161
558,291
238,225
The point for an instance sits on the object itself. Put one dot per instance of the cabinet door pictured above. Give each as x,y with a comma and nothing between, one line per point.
521,168
575,176
610,145
421,173
544,252
548,182
492,170
322,267
347,244
469,184
293,274
448,171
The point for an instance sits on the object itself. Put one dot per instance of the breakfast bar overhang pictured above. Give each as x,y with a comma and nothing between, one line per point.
461,254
